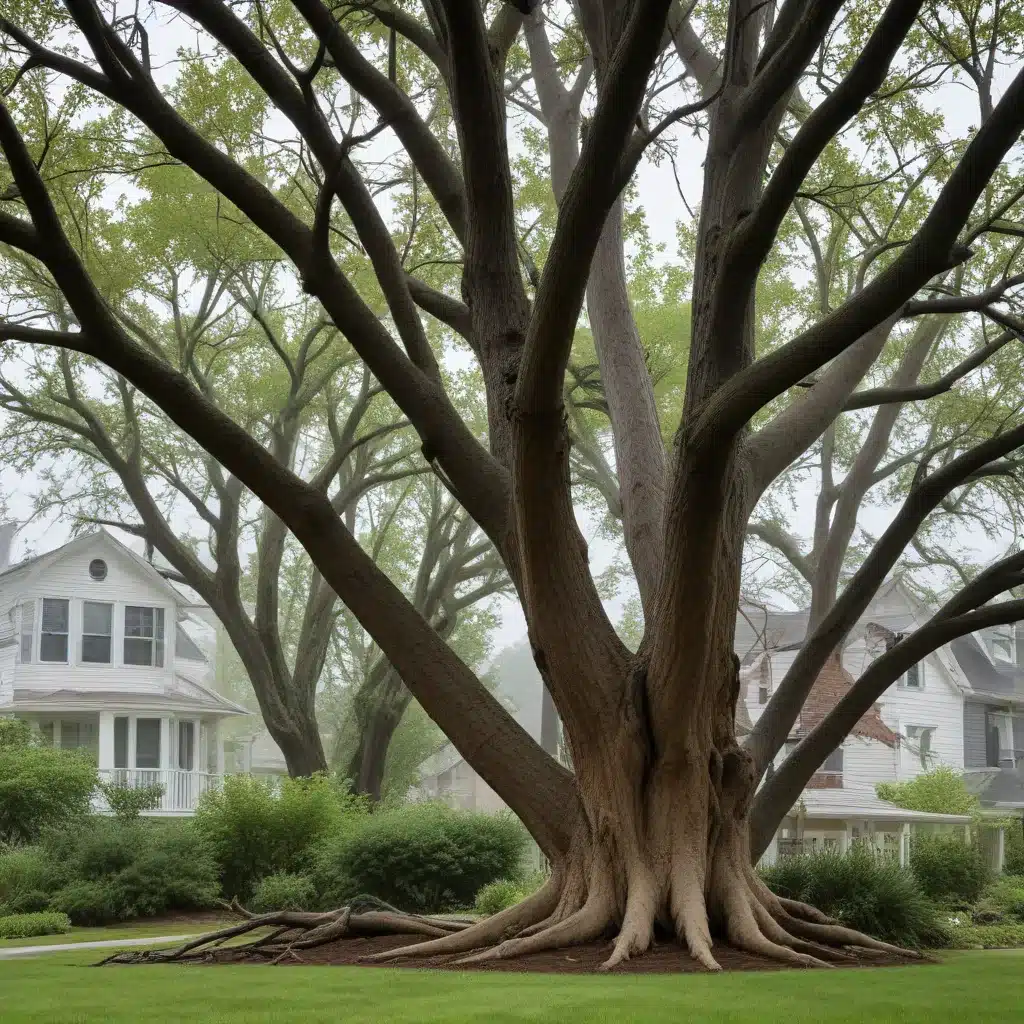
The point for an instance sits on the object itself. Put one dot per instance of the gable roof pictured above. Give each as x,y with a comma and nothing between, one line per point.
38,563
986,678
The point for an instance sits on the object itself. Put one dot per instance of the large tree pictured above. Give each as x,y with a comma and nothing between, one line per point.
652,827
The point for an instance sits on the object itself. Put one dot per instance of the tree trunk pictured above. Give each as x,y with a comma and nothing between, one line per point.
366,769
302,748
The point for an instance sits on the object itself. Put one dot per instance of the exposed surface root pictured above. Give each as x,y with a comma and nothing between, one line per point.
291,931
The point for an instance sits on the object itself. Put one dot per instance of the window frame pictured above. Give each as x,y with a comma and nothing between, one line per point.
157,640
45,632
926,758
107,636
918,673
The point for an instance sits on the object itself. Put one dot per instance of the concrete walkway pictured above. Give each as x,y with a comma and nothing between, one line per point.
62,947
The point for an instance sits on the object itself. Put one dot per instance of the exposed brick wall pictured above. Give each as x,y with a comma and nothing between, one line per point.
829,688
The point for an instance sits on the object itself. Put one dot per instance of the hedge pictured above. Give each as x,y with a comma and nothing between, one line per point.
26,926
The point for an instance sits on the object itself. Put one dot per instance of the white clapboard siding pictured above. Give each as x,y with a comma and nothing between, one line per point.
127,583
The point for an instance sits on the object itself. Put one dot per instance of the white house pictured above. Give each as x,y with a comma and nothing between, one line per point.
99,651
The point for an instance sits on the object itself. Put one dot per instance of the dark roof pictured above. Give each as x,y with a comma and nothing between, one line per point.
1000,679
997,786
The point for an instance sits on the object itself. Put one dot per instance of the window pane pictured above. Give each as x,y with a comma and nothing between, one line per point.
138,621
186,745
96,650
120,742
53,647
55,615
834,761
138,652
97,618
147,743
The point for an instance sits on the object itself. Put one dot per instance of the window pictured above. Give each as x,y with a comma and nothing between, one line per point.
762,695
920,738
912,677
76,735
991,742
53,641
120,742
147,743
144,636
186,745
97,622
28,631
98,569
1001,645
46,733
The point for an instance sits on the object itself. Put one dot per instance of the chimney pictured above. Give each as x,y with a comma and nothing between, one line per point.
8,531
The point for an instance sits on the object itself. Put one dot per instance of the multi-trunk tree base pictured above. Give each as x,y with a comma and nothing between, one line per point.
788,932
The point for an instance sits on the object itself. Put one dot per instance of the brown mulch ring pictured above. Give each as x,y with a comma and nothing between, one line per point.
664,958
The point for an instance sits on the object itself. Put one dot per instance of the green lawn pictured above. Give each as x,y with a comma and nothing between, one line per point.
60,989
128,930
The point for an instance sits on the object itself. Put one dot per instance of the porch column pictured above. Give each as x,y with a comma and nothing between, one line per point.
904,844
165,744
218,741
106,751
844,838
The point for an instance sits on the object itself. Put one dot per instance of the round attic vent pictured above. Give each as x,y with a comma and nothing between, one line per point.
98,569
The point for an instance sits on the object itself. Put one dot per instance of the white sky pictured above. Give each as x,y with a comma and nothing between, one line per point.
659,196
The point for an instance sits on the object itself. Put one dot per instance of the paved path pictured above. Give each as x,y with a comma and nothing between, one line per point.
62,947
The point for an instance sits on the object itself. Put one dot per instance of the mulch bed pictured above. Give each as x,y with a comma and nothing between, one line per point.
664,958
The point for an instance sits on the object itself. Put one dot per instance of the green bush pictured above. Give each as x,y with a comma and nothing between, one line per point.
25,926
950,870
1014,849
254,831
423,858
284,892
863,890
24,881
41,788
993,936
1004,896
109,870
504,893
127,801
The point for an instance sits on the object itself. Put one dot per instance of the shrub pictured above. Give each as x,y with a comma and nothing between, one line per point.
25,926
940,791
24,881
1014,849
993,936
950,870
115,870
14,732
41,787
128,802
498,896
1005,896
425,857
284,892
254,831
866,892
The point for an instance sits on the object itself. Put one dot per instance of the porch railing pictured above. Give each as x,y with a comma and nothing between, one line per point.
182,789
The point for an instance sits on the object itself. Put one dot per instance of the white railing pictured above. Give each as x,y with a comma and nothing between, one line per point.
182,789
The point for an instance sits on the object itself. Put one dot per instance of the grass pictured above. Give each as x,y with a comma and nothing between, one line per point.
972,987
127,930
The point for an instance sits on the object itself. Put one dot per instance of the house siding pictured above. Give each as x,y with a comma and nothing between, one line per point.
68,577
975,747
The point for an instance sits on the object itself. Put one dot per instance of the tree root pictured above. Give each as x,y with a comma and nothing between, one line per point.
291,931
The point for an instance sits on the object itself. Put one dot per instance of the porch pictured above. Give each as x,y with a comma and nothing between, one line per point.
836,820
181,753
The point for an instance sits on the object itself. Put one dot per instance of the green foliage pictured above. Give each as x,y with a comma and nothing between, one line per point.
949,869
128,802
422,858
111,869
41,787
284,892
23,881
1003,901
1013,851
863,890
989,936
940,791
504,893
25,926
14,732
254,831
